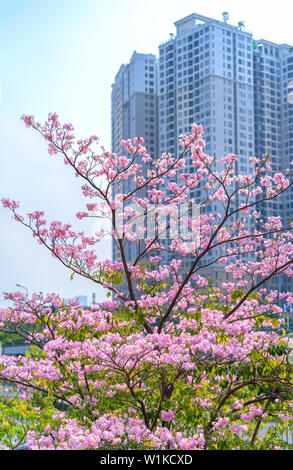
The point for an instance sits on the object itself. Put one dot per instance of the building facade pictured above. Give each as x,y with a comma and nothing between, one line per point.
134,114
215,74
206,76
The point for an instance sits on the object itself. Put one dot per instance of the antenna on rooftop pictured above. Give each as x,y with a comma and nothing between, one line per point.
225,16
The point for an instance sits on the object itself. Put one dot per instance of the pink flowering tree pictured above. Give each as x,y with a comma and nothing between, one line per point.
171,360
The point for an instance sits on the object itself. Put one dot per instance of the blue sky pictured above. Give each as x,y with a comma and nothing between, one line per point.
62,56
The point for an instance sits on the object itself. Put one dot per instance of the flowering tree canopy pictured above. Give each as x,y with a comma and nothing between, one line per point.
170,360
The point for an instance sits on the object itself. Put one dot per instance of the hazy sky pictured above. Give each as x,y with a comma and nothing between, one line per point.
62,55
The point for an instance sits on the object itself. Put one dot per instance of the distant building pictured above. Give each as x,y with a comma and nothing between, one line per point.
273,69
83,300
217,75
134,114
16,348
134,106
206,76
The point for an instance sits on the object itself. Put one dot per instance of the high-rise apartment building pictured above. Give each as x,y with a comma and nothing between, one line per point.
134,102
273,116
270,93
134,114
206,76
287,124
215,74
